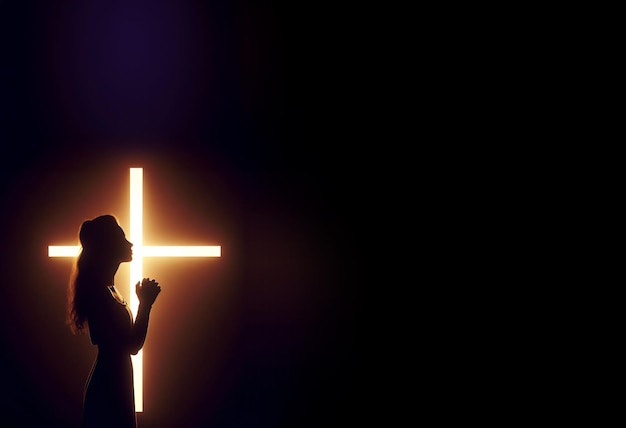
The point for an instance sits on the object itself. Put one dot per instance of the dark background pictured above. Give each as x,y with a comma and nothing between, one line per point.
249,107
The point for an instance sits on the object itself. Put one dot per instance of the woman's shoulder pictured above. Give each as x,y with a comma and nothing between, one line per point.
99,297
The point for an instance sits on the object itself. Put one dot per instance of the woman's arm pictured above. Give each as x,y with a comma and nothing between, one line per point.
140,328
147,294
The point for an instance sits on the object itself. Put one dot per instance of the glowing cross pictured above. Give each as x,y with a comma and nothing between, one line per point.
136,265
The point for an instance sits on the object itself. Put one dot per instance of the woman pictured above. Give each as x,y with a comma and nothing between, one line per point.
94,305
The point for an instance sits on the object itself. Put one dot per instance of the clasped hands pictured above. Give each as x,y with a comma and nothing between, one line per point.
147,291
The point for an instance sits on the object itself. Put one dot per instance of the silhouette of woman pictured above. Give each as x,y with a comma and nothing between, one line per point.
94,305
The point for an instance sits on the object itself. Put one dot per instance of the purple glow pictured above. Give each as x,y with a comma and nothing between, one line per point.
130,68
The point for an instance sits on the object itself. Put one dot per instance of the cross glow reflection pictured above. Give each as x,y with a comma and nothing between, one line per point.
136,265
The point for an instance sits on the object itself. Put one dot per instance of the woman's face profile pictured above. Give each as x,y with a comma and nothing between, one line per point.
105,238
124,249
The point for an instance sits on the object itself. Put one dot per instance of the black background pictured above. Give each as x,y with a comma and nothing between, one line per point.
266,109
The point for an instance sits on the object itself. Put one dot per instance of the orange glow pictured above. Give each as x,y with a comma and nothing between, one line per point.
136,265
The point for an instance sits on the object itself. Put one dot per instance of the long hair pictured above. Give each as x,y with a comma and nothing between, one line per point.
87,277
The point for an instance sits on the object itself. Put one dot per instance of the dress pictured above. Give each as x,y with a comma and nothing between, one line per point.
109,391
